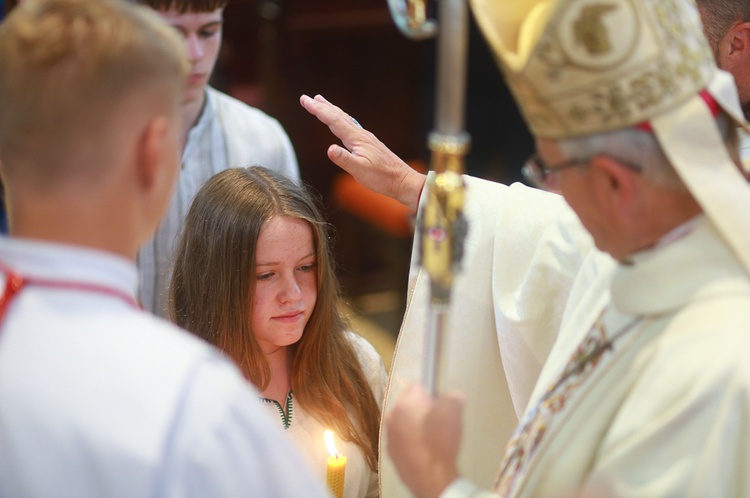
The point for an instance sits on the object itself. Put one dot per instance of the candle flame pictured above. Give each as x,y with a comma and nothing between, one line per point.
328,436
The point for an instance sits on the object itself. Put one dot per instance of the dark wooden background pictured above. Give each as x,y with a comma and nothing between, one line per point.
351,52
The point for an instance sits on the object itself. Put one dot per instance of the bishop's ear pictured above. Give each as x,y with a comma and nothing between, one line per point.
614,183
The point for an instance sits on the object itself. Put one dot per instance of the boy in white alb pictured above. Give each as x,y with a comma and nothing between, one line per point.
97,397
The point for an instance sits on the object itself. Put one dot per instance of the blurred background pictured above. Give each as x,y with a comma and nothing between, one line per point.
351,52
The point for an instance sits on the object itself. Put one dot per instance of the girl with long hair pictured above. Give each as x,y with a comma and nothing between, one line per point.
254,276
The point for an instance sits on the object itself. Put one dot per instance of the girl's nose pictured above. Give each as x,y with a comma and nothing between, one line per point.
290,290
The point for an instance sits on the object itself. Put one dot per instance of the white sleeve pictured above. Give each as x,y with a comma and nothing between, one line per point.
374,370
372,365
463,488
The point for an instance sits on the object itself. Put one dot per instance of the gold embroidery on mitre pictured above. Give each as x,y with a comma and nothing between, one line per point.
602,65
590,29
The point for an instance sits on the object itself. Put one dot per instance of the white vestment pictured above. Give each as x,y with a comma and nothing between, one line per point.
524,249
745,147
663,411
527,256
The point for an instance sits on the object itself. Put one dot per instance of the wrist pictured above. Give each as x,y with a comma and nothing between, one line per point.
411,189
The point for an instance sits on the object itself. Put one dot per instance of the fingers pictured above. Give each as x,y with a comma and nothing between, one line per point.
321,108
414,399
405,419
423,436
365,157
444,422
341,124
341,157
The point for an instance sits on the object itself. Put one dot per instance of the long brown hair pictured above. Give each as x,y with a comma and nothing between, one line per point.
212,291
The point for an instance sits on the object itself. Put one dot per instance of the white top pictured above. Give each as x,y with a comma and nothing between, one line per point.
307,432
99,398
228,134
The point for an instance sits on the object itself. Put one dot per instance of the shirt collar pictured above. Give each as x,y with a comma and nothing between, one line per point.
666,277
48,260
205,118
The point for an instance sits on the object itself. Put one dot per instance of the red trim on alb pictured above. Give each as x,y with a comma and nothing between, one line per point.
15,283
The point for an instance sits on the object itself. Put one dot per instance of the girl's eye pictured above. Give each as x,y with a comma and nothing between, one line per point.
309,267
264,276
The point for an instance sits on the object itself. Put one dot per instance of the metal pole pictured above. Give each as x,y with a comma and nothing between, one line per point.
442,227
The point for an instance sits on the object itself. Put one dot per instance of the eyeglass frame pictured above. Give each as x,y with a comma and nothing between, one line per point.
538,173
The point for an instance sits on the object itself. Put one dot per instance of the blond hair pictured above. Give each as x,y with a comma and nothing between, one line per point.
65,66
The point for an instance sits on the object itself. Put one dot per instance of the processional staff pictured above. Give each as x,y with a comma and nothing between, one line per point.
442,226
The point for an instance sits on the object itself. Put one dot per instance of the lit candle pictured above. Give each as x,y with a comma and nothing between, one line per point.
336,467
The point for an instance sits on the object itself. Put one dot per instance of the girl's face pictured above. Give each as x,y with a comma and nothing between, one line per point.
286,282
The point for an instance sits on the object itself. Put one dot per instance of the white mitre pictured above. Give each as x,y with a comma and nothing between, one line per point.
579,67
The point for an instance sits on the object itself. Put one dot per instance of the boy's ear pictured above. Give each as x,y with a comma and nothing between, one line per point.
153,151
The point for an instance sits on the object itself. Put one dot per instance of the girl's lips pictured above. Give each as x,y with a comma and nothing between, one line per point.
290,317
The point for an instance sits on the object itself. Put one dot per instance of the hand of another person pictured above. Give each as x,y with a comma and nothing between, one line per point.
423,439
365,157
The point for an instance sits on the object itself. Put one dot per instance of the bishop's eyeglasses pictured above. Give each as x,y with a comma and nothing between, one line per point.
543,176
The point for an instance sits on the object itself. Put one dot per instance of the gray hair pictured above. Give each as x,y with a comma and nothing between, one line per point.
641,149
719,15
